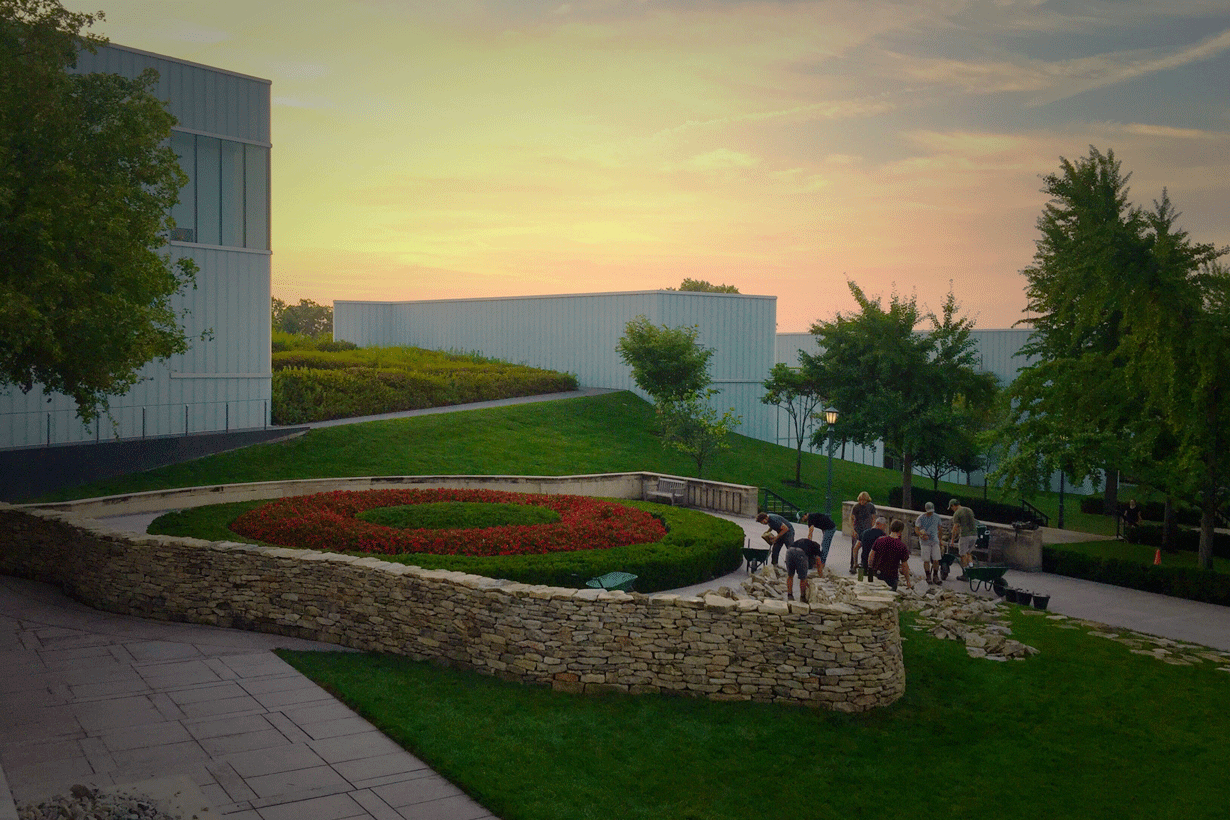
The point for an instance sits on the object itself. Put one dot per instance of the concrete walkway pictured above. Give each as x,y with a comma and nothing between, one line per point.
208,721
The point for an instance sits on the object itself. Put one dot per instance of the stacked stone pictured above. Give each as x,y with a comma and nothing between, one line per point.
85,803
842,652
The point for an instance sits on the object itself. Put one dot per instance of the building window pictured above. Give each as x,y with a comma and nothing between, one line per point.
226,200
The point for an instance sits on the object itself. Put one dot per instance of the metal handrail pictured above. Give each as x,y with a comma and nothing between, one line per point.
770,501
1030,511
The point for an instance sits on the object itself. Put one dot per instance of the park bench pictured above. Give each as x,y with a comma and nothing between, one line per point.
669,491
613,580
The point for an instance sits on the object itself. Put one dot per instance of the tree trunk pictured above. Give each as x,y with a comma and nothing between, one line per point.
907,481
1208,523
1170,527
1110,504
798,464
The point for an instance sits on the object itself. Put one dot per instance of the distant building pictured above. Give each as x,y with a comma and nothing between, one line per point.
222,139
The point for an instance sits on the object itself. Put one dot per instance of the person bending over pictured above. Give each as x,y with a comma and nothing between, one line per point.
891,557
827,529
783,533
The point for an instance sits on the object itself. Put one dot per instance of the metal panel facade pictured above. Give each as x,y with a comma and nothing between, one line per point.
223,381
578,333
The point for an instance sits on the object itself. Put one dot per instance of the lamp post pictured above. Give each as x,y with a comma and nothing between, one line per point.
830,418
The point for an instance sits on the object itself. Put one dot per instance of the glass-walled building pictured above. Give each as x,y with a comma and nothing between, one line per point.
222,383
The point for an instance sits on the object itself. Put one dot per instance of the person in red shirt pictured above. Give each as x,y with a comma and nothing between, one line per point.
890,556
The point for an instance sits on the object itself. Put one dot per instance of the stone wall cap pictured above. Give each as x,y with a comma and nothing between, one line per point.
774,607
720,602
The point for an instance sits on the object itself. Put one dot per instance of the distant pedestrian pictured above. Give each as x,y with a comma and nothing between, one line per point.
828,527
783,533
927,528
1131,519
890,557
862,515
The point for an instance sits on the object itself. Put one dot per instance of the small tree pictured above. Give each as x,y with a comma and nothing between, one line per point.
667,362
692,426
673,368
799,395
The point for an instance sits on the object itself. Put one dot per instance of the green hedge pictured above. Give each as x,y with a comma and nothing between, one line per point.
304,395
697,548
1149,511
1180,582
1185,539
984,510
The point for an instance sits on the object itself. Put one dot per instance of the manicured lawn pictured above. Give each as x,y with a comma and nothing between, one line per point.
1084,730
607,433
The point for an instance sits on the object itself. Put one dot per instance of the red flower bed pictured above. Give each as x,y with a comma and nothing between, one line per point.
326,521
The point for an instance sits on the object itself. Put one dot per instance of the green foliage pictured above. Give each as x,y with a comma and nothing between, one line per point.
701,286
984,509
283,341
1018,739
1132,340
692,426
892,383
667,363
87,181
304,319
1192,583
315,384
697,548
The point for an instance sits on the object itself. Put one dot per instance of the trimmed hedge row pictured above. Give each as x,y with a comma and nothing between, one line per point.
305,395
1149,511
984,510
1185,539
697,548
1181,582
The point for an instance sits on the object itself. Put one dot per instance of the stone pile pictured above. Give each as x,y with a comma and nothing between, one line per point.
981,623
84,803
1175,653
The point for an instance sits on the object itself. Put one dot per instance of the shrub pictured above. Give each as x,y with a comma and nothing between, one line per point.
1181,582
1149,510
984,510
1185,539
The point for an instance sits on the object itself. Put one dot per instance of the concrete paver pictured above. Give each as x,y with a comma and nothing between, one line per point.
107,700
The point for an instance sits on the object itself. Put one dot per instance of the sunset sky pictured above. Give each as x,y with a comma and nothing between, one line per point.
458,148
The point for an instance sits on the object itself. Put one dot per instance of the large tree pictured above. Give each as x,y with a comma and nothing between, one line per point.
1129,330
890,381
87,181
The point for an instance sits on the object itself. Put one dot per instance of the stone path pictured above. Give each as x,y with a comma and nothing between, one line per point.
207,715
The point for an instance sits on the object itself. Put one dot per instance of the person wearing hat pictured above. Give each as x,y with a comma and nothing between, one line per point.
965,527
927,528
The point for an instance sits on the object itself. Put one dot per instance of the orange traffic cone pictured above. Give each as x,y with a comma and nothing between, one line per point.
1157,558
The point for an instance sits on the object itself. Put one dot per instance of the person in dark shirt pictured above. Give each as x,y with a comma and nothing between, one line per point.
1131,518
828,528
878,530
801,557
890,556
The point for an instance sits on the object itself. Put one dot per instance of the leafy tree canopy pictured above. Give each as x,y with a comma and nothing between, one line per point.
700,285
87,181
304,319
799,394
891,382
1130,329
667,362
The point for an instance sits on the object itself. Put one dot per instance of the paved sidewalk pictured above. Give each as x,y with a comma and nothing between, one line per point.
99,699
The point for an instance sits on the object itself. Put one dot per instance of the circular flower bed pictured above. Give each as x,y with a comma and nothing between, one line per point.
326,521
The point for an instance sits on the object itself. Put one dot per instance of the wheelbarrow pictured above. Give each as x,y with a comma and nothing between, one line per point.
756,557
979,576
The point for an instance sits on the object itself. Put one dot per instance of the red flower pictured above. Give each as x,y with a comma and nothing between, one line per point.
326,521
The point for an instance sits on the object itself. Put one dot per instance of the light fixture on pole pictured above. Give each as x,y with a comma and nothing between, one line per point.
830,418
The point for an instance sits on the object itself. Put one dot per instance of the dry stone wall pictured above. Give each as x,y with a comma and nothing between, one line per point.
842,656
